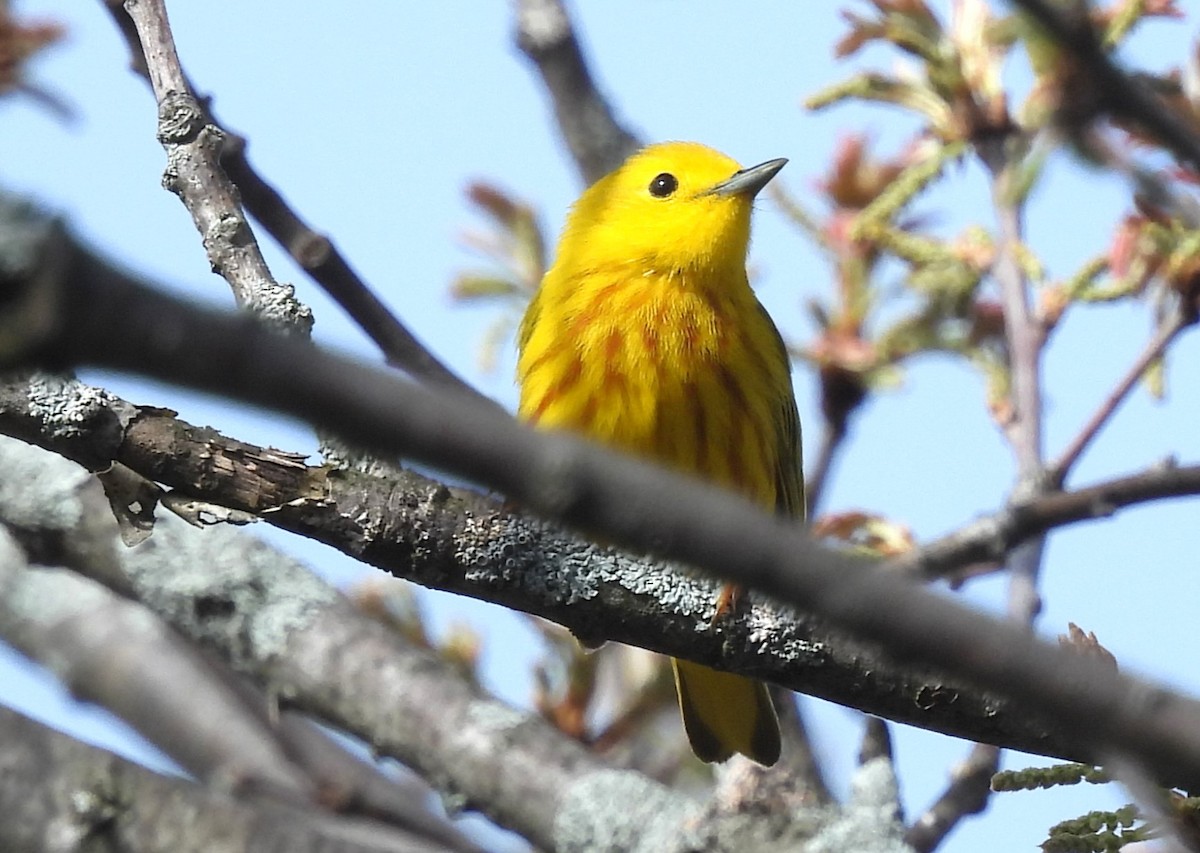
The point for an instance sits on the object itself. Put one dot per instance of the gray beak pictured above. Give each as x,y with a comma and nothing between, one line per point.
749,181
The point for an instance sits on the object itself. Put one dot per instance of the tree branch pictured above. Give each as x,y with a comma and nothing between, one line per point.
314,252
1024,338
989,538
195,175
832,436
69,795
1123,95
597,141
968,793
114,652
1170,328
1115,91
111,321
308,647
464,542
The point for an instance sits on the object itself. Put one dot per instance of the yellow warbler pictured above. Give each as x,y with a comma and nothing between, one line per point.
645,336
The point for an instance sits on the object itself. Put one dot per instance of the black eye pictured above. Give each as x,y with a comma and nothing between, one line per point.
663,185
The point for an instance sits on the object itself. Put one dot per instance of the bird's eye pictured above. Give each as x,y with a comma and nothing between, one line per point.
663,185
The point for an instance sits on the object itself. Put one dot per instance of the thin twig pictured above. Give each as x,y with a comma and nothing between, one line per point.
1025,339
1170,328
989,538
968,794
1022,333
314,252
831,440
1183,207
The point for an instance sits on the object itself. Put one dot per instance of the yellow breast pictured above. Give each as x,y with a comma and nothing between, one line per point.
693,377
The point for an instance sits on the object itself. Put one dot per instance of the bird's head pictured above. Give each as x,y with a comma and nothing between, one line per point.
673,206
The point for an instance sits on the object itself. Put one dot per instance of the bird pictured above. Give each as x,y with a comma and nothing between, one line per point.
645,336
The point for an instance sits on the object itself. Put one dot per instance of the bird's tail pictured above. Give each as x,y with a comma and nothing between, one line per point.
725,713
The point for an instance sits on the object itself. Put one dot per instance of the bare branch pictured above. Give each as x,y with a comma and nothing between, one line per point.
275,621
194,174
989,538
351,785
315,253
832,437
467,543
1128,97
1025,339
114,653
876,741
967,794
311,649
298,637
596,140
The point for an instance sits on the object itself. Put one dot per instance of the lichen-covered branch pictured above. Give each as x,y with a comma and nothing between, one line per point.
61,794
311,650
116,653
113,321
465,542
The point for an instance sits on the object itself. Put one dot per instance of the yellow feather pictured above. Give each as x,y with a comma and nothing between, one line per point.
646,336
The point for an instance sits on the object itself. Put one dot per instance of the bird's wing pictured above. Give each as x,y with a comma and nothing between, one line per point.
789,472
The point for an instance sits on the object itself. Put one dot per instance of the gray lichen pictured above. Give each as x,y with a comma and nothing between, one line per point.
66,406
620,810
40,489
211,581
869,822
208,580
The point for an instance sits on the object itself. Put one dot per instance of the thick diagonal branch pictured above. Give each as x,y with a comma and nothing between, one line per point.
113,322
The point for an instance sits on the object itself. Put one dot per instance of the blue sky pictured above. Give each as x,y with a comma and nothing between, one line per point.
372,119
